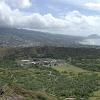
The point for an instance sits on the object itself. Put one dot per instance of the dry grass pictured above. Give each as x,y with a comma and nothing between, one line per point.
15,92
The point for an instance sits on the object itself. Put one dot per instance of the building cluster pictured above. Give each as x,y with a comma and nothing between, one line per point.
47,62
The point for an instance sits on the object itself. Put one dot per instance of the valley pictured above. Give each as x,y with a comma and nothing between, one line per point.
64,81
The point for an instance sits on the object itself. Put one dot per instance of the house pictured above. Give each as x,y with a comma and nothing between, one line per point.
26,62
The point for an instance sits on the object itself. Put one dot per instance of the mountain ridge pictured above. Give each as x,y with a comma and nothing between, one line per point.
22,37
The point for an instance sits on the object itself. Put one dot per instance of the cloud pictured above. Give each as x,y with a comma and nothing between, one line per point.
94,6
24,3
18,3
73,22
5,12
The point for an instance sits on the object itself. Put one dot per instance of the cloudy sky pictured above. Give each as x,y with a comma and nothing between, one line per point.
73,17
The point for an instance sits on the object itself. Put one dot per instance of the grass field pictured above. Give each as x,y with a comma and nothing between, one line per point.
67,68
70,68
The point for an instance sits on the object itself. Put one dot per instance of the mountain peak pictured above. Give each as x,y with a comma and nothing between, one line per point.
93,36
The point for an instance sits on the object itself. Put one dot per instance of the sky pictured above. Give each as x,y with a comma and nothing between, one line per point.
70,17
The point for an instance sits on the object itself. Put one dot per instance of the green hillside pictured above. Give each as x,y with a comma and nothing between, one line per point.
60,82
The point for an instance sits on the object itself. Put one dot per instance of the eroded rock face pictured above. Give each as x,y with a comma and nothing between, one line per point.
1,92
15,97
12,97
8,94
